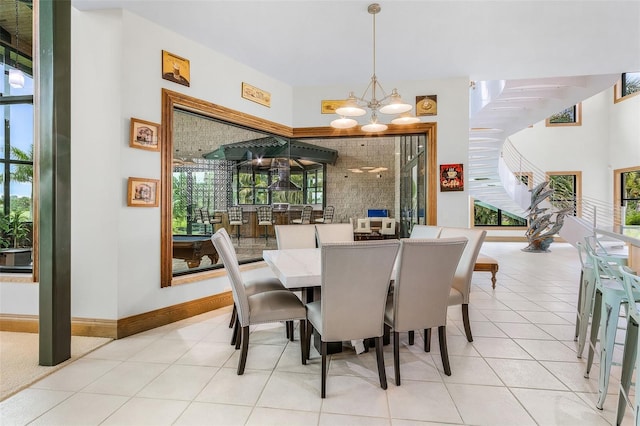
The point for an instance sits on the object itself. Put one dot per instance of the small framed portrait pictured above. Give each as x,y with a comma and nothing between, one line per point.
143,192
176,69
330,106
427,105
451,177
144,135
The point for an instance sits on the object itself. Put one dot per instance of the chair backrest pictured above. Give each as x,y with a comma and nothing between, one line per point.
197,215
355,283
631,283
388,226
424,274
264,214
334,233
306,214
464,272
425,231
295,236
235,214
327,215
227,254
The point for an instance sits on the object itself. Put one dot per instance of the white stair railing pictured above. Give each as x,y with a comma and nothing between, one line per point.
592,212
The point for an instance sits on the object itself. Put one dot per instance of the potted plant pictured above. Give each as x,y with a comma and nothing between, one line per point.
15,231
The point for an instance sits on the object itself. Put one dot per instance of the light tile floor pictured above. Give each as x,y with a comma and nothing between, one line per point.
521,369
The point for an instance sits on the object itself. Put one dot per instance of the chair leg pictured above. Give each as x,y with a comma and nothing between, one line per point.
287,331
578,321
379,355
303,343
412,337
234,313
444,354
608,327
308,339
291,333
396,356
323,349
595,326
628,362
245,349
465,320
234,335
427,340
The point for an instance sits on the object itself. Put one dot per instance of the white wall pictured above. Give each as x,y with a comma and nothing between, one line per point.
608,139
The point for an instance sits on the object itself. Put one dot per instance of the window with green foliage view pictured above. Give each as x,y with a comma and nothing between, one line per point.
631,197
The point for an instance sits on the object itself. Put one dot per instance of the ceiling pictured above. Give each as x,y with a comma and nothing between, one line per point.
317,43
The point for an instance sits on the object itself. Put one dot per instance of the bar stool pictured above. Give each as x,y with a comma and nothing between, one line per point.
327,215
630,359
236,219
305,217
265,218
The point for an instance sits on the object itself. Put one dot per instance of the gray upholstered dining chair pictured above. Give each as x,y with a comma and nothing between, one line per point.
424,273
355,283
295,237
425,231
257,308
461,287
334,233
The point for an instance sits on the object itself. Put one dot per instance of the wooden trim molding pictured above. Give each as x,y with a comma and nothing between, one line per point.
124,327
172,100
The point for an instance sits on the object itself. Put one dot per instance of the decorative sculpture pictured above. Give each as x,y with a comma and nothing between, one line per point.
542,226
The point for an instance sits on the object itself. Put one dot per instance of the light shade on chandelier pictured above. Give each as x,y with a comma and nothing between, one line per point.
389,104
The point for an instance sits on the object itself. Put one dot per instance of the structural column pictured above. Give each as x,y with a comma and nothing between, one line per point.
53,140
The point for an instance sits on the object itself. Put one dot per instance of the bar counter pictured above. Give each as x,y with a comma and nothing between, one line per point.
631,236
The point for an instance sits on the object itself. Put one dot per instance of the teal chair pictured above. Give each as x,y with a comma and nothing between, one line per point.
609,296
631,345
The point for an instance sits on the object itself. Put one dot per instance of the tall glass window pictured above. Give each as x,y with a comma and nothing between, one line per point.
631,196
16,161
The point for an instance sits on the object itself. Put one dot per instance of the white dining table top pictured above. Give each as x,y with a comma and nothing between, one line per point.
295,268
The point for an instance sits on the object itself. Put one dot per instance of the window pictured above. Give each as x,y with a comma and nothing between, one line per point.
16,159
314,187
630,196
571,116
487,215
628,86
567,190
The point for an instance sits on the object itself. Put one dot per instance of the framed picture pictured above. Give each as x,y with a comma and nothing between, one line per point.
427,105
144,135
256,95
330,106
571,116
143,192
451,177
176,69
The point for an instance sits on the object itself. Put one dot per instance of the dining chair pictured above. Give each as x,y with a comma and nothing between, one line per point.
265,218
295,237
355,283
424,274
236,218
257,308
334,233
305,216
251,287
327,215
425,231
630,359
609,296
461,287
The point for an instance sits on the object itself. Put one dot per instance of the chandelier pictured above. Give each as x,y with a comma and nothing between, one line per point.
389,104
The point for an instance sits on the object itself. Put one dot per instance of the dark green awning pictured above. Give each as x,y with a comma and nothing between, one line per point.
271,147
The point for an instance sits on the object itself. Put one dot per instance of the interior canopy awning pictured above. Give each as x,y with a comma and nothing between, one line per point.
273,147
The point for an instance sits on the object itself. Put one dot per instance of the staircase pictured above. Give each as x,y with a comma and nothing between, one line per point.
500,108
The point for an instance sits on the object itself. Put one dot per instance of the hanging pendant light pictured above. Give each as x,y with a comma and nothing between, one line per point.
389,104
16,77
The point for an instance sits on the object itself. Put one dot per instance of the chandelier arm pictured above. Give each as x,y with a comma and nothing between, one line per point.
369,86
